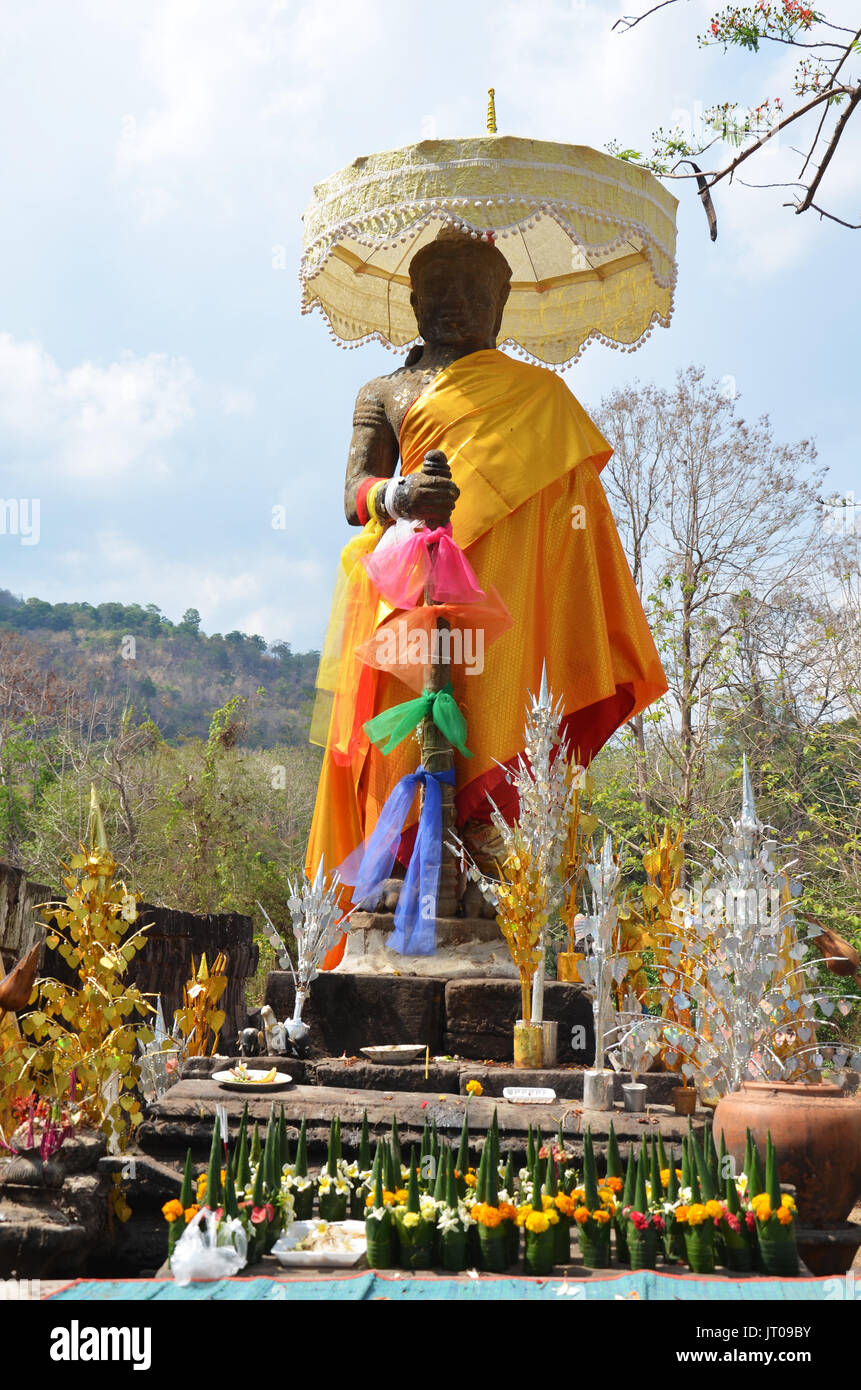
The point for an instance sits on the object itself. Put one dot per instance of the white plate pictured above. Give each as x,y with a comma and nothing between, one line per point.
290,1258
395,1056
529,1095
255,1081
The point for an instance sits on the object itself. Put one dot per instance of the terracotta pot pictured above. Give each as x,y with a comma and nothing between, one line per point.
685,1100
816,1130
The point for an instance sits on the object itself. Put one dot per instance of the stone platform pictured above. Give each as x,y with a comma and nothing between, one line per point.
471,1017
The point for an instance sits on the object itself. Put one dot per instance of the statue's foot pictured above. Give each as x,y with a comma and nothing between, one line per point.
386,900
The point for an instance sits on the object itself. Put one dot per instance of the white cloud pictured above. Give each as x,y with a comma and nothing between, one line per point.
91,421
226,590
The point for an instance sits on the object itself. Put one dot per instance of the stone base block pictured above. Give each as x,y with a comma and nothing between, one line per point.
480,1017
348,1011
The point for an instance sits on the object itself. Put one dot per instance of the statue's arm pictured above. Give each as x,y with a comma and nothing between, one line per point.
374,447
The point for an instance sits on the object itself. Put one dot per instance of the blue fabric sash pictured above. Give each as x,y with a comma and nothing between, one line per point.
415,916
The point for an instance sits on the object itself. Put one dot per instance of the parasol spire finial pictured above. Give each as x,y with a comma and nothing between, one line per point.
491,110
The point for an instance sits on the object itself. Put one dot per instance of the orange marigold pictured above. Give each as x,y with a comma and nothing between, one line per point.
190,1213
784,1216
172,1211
601,1216
681,1214
507,1211
614,1184
487,1216
763,1212
470,1179
566,1204
581,1215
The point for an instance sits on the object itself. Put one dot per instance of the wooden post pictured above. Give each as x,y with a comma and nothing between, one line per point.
437,753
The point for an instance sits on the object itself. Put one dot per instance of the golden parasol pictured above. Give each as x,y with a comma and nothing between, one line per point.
590,240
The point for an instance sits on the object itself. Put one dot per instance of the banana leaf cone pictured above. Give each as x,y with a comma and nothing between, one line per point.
512,1230
674,1235
492,1239
662,1154
256,1146
242,1168
699,1237
379,1225
562,1228
778,1250
452,1238
739,1244
415,1234
615,1167
424,1153
304,1187
395,1143
642,1243
176,1228
257,1219
530,1149
331,1203
435,1142
241,1134
462,1164
708,1193
755,1179
283,1142
214,1192
391,1171
440,1183
620,1222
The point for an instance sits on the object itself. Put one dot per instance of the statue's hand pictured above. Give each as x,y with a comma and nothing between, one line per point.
423,497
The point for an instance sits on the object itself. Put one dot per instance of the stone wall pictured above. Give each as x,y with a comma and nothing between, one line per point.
163,965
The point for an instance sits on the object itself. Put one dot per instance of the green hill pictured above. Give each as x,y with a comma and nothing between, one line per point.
171,672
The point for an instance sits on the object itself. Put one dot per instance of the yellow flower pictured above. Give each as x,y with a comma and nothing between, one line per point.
763,1212
566,1204
788,1202
201,1187
714,1210
537,1222
547,1201
474,1088
400,1196
469,1179
696,1214
190,1213
523,1214
601,1216
410,1219
784,1216
172,1211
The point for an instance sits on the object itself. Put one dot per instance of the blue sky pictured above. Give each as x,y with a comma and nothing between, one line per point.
160,392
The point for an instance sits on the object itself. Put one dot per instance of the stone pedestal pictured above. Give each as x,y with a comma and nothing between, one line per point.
466,946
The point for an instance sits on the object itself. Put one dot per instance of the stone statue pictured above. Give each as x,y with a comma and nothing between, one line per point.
526,505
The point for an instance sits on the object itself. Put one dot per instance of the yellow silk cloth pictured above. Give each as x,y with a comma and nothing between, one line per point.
534,521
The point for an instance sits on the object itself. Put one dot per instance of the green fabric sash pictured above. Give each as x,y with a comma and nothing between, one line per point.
397,723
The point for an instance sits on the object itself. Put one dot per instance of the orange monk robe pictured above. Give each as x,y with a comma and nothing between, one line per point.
535,523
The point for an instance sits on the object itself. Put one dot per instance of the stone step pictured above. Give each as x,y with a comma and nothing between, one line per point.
184,1117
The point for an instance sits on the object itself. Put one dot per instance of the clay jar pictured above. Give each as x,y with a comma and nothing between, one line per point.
816,1130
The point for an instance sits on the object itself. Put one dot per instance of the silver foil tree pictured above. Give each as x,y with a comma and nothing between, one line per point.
754,1001
318,920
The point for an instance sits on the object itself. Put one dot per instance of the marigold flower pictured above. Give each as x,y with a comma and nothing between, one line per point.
474,1088
486,1215
507,1211
565,1204
190,1213
714,1210
681,1214
784,1216
763,1212
601,1216
614,1184
788,1202
605,1197
581,1214
172,1211
537,1222
400,1195
547,1201
579,1194
522,1214
470,1179
410,1219
696,1214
